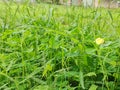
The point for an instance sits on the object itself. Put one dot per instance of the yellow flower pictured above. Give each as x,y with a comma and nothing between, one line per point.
99,41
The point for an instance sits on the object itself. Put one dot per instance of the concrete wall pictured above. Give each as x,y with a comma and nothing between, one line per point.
95,3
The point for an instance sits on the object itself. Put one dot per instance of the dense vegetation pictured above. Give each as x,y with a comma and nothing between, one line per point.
50,47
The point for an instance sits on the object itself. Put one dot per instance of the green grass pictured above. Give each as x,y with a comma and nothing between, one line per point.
50,47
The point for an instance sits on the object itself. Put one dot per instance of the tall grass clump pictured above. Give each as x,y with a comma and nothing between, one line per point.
51,47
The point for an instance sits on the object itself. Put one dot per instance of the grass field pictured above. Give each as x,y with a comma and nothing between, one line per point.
50,47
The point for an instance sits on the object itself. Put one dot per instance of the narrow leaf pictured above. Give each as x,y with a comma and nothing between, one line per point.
82,80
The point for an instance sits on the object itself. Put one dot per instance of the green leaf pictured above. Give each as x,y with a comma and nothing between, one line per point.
90,74
42,87
47,68
110,14
93,87
113,63
82,80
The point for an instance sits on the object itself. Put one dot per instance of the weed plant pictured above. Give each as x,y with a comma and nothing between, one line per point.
52,47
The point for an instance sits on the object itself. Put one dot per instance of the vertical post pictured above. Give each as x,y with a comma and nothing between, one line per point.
87,3
118,2
95,3
69,2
